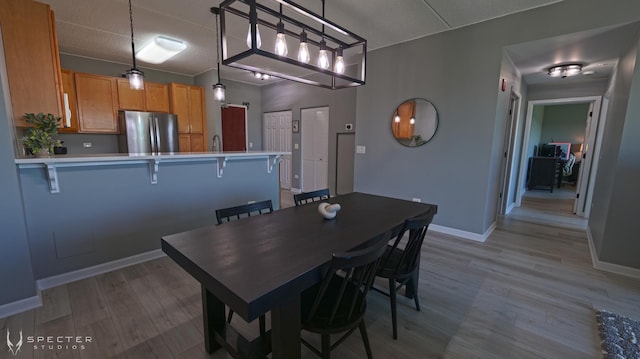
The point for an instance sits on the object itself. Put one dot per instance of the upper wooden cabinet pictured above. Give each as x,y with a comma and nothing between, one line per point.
97,103
32,59
70,108
187,102
154,97
129,99
157,97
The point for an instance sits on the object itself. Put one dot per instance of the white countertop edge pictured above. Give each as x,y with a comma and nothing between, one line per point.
137,157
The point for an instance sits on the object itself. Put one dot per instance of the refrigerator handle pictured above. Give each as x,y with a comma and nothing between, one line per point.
152,135
157,126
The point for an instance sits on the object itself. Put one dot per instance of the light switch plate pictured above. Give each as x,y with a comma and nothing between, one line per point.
295,146
361,149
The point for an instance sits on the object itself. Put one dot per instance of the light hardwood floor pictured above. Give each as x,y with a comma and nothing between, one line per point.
529,291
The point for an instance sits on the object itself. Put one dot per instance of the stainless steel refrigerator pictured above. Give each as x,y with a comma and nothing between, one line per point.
147,132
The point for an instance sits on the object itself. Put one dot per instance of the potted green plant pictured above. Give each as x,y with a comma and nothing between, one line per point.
39,139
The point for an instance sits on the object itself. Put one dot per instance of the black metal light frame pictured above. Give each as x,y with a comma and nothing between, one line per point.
353,41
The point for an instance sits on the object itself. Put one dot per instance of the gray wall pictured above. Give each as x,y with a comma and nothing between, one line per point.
104,213
288,95
16,275
236,93
459,71
613,221
106,68
564,123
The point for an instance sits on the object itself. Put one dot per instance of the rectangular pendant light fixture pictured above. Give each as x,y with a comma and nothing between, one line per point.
160,49
285,40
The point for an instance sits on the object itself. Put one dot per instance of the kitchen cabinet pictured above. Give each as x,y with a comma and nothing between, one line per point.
70,108
97,103
32,59
129,99
187,102
154,97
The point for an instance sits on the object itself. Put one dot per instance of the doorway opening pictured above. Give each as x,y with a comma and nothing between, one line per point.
582,139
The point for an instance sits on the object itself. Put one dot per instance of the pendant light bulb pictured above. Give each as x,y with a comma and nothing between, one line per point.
396,118
258,39
412,120
281,41
219,91
303,50
323,57
339,66
136,79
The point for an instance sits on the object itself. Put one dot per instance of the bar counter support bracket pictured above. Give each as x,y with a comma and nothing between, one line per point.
52,176
153,170
222,162
272,161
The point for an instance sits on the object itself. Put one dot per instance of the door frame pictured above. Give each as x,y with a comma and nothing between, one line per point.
246,124
509,159
592,140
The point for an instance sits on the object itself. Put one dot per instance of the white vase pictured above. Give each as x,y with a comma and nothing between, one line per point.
43,152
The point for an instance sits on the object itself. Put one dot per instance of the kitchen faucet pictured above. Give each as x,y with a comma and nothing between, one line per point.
217,143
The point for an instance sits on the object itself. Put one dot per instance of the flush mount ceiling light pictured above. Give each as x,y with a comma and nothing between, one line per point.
328,55
160,49
135,76
565,70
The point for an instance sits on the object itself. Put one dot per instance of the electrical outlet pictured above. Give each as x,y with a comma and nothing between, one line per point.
250,144
296,146
416,200
361,149
348,126
86,144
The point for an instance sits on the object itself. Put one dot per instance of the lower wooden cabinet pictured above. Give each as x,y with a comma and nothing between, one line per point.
97,103
191,142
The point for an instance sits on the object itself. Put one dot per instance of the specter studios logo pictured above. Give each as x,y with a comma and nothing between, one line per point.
47,343
14,348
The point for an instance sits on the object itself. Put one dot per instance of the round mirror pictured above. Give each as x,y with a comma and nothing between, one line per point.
414,122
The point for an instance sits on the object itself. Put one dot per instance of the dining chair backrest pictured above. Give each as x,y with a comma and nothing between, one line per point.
408,260
245,210
306,197
341,297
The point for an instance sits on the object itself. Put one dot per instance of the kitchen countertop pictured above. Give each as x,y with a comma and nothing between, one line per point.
109,157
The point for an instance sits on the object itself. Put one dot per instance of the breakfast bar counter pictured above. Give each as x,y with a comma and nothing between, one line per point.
88,211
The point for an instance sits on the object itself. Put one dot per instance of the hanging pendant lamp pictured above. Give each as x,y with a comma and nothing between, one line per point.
135,76
218,88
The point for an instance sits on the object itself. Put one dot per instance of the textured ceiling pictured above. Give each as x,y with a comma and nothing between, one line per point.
100,28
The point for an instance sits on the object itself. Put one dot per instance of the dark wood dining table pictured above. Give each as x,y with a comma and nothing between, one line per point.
262,263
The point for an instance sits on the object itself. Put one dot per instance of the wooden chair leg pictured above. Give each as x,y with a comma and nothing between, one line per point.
392,296
365,339
326,346
414,284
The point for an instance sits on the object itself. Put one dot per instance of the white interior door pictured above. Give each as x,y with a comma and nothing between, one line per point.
315,148
277,137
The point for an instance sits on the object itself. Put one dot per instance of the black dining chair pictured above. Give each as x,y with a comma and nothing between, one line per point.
238,212
400,265
338,303
307,197
245,210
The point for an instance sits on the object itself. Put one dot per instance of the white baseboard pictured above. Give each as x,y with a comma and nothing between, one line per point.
83,273
606,266
20,306
463,234
510,208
